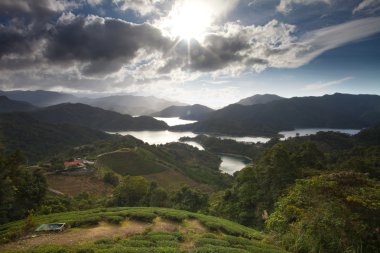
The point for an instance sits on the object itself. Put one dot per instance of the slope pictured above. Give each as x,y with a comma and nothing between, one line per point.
135,229
96,118
39,140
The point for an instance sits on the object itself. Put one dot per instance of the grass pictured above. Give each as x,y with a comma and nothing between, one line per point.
222,235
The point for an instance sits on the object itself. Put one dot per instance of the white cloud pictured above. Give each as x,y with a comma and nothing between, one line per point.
319,41
143,7
285,6
367,5
322,85
94,2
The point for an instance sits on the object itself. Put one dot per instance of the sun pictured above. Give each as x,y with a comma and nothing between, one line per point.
190,20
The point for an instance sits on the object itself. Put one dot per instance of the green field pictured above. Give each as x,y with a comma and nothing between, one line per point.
214,235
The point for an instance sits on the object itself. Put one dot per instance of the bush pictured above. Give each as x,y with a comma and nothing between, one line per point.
88,221
137,243
115,219
210,241
173,216
218,249
104,241
139,216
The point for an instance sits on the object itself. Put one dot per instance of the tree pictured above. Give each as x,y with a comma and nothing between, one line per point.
330,213
256,188
111,178
21,189
130,191
156,196
189,199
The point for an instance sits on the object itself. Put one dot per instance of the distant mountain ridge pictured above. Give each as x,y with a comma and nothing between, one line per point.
190,112
95,118
125,104
133,105
259,99
9,105
40,98
329,111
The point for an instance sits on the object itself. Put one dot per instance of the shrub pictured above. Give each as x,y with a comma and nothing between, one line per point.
218,249
115,219
145,217
210,241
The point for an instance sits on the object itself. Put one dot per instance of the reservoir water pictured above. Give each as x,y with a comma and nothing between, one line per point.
175,121
231,164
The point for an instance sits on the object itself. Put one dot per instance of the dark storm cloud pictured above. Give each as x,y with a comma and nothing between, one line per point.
35,8
13,42
103,45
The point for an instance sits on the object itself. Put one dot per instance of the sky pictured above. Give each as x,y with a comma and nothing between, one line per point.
212,52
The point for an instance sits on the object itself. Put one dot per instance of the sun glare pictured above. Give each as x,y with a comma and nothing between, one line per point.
190,20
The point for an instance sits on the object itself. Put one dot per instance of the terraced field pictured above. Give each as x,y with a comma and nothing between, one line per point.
134,229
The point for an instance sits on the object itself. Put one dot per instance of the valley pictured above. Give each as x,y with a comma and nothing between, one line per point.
83,157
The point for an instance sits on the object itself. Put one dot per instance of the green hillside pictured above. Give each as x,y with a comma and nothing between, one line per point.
145,230
134,162
173,162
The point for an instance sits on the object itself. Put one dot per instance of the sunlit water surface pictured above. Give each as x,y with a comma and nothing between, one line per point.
175,121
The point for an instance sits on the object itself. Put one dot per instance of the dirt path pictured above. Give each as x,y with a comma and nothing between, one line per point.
79,235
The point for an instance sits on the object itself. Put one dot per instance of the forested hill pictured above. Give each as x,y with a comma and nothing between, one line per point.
96,118
8,105
329,111
191,112
37,140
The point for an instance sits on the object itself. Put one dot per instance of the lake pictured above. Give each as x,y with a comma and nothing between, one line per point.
175,121
310,131
157,137
231,164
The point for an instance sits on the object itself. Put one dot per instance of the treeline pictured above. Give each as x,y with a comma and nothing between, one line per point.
318,193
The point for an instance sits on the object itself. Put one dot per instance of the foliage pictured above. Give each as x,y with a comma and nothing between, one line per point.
228,146
130,191
257,187
189,199
21,190
111,178
40,140
329,213
156,196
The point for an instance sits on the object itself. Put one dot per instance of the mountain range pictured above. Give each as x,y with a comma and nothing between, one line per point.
329,111
125,104
9,105
95,118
